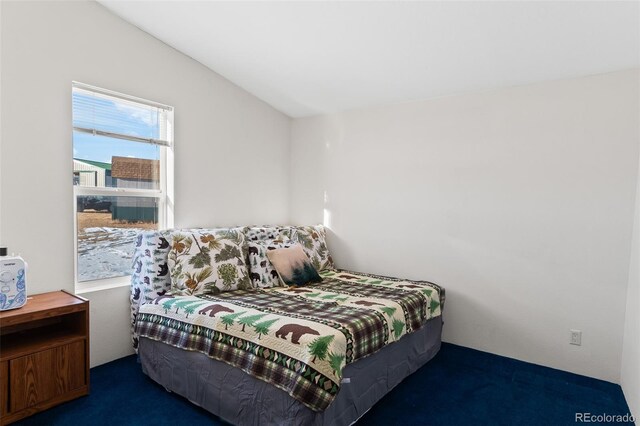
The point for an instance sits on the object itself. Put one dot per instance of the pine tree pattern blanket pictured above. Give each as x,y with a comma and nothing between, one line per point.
299,339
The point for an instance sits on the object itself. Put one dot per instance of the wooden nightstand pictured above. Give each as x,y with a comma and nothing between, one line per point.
44,354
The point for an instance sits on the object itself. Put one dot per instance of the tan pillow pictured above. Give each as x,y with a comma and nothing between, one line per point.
293,266
261,271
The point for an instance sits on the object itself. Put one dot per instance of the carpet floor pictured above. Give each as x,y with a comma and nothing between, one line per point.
460,386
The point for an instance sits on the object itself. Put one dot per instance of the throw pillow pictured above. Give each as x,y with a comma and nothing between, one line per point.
313,241
262,233
293,266
207,261
150,275
261,270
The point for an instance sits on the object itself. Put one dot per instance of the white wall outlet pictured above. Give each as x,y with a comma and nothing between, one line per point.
576,337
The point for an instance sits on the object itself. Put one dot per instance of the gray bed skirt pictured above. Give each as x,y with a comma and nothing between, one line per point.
242,399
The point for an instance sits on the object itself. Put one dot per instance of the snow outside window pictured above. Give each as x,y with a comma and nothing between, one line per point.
122,180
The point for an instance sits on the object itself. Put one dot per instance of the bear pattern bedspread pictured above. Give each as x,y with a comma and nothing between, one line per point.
298,339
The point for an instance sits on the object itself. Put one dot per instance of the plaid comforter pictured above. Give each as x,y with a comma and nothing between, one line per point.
298,339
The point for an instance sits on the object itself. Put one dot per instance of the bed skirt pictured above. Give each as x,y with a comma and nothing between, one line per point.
241,399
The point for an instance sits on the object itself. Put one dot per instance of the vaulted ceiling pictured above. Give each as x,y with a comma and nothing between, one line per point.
307,58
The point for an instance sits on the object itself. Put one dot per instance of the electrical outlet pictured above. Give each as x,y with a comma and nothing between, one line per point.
576,337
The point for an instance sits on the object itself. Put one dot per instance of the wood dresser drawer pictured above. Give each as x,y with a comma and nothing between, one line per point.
4,388
45,375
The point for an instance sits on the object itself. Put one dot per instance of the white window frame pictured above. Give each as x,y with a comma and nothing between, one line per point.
164,194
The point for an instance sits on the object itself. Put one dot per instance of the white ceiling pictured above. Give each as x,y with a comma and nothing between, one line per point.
306,58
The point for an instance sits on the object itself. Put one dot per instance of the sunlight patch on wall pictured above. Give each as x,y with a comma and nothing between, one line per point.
326,221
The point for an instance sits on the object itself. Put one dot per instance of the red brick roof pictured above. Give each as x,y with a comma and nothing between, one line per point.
135,168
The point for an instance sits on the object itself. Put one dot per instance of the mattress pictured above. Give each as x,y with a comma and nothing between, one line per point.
241,399
297,339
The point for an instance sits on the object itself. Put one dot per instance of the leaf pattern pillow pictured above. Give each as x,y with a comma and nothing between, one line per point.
207,261
313,242
261,270
312,239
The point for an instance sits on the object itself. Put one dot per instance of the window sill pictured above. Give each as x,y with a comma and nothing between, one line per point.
100,285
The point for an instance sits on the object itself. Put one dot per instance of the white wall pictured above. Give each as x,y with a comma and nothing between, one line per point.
231,150
630,371
519,201
1,125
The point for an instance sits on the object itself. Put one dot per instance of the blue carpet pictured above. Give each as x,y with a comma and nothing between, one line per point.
460,386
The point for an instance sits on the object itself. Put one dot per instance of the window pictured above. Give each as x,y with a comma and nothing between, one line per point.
122,180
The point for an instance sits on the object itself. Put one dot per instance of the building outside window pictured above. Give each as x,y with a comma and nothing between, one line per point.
122,178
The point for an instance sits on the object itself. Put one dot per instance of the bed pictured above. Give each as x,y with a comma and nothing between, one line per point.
322,354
